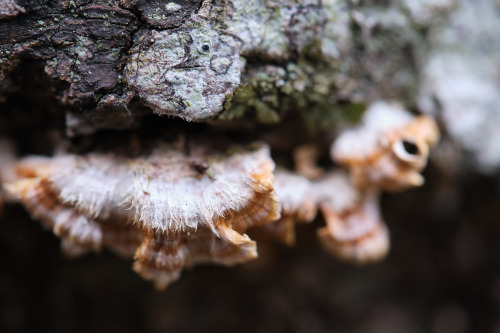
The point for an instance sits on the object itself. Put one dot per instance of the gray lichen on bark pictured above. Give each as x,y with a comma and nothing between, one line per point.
186,72
227,59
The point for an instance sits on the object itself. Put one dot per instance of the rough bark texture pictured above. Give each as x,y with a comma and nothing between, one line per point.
195,60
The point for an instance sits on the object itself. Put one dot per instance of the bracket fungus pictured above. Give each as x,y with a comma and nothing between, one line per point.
179,204
389,149
293,192
356,234
162,207
354,230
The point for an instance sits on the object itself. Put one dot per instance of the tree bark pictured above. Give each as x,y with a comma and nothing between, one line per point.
108,62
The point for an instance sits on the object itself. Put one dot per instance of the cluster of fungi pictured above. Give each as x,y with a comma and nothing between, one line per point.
190,202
